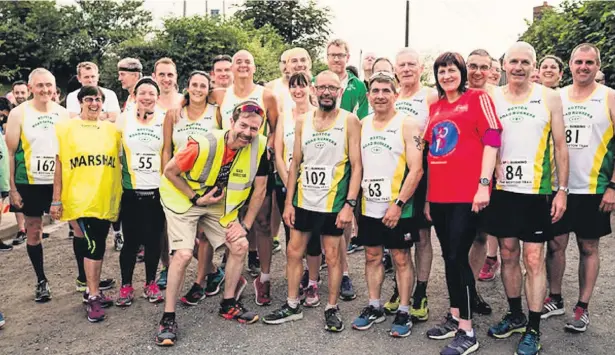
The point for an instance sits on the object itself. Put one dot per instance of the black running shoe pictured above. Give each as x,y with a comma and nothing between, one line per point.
167,333
194,296
479,306
45,235
5,247
43,292
284,314
388,263
20,238
333,320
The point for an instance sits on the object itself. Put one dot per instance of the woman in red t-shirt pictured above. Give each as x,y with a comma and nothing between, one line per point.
463,133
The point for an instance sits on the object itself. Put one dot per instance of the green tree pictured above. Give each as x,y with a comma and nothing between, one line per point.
300,23
193,42
573,23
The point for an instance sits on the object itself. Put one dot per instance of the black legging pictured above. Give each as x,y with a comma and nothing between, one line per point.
456,227
142,222
313,247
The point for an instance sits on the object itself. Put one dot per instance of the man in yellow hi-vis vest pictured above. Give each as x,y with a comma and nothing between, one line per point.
206,183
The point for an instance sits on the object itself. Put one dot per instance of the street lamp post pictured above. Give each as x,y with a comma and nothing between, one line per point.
407,23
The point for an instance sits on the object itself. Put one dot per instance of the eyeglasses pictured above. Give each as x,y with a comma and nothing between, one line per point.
337,55
89,100
332,89
251,109
476,67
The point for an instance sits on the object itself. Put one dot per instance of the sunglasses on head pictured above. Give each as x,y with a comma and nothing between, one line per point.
251,109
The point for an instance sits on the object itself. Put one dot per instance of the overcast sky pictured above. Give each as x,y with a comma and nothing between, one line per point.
379,25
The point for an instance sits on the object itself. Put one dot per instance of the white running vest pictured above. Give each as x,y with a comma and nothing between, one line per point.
589,135
322,185
526,153
185,127
35,157
231,100
282,94
415,106
142,151
289,138
383,153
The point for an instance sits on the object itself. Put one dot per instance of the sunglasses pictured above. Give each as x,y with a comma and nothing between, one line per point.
382,74
250,108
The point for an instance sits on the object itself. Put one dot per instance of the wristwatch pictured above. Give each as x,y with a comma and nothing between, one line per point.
352,203
399,203
244,227
611,185
564,188
195,198
484,181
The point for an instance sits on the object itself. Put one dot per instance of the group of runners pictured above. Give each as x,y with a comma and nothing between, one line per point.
347,164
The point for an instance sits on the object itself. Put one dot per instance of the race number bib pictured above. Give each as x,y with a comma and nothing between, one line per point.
145,162
515,172
578,135
43,166
377,189
317,177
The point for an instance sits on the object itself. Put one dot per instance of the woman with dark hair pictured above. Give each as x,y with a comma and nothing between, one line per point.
551,69
195,118
141,213
463,133
86,187
299,86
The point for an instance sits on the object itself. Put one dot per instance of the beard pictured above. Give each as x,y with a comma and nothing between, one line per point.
327,107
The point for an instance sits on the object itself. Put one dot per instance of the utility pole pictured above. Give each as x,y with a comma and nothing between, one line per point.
407,23
185,5
206,8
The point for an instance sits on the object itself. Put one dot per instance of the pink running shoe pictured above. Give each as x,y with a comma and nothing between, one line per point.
489,269
152,293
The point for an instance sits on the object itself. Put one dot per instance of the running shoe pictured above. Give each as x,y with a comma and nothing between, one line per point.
489,270
214,281
312,299
46,235
480,306
388,263
346,290
352,247
42,292
393,304
323,261
333,320
284,314
194,296
167,333
579,322
5,247
529,343
461,345
141,254
241,285
238,312
162,278
254,267
105,301
20,238
103,285
552,308
447,329
71,234
402,325
420,314
152,292
94,309
127,295
118,241
262,292
508,326
277,247
2,322
369,315
305,280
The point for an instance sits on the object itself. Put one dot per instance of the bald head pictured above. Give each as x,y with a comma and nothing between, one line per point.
243,66
328,76
244,54
42,84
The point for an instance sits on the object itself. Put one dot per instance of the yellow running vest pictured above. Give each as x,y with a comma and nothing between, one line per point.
205,172
91,175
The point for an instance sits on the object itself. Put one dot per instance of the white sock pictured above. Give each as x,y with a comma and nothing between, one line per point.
405,309
312,283
329,306
345,274
293,303
264,277
374,303
470,333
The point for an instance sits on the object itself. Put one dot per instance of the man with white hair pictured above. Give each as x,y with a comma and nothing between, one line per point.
32,145
367,65
129,72
87,75
521,206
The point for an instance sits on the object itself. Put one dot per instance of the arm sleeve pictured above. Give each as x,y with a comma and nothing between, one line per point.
186,157
488,122
362,103
263,165
72,104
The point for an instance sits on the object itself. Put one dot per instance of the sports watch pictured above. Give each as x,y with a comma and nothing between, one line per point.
352,203
484,181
